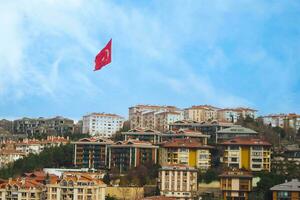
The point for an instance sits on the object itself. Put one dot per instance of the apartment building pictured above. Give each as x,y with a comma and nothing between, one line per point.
164,119
124,155
102,124
21,189
287,191
201,113
136,113
77,186
233,114
91,153
35,146
236,185
187,151
248,153
9,156
178,181
274,120
57,125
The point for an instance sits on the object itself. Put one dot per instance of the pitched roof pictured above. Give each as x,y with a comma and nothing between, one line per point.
293,185
237,130
236,173
246,142
186,143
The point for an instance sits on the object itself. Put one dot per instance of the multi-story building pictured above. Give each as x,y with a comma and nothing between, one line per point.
285,121
102,124
187,151
247,153
233,114
274,120
35,146
57,125
156,137
201,113
178,181
148,120
236,185
287,191
22,189
136,113
164,119
9,156
124,155
91,153
77,186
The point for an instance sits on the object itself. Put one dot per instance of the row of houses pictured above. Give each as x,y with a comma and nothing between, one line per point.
40,185
159,117
182,147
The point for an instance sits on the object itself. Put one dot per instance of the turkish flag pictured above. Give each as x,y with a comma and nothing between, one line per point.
104,57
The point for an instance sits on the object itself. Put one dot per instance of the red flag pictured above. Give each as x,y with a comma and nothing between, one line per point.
104,56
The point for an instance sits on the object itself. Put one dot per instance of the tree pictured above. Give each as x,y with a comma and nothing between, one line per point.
207,177
106,179
268,180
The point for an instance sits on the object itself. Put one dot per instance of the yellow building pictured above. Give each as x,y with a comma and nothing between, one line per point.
187,151
289,190
247,153
236,185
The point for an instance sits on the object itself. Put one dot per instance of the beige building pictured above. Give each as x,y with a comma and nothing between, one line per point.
76,186
22,189
201,113
9,156
136,113
164,119
178,181
236,185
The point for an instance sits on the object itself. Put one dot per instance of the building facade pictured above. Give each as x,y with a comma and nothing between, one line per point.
233,114
178,181
57,125
188,152
76,186
124,155
102,124
22,189
247,153
164,119
91,153
201,113
136,114
287,191
236,185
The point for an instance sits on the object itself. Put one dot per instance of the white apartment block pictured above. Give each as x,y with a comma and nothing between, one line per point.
283,120
233,114
178,181
136,113
102,124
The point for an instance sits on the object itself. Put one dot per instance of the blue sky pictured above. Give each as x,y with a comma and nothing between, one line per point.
223,52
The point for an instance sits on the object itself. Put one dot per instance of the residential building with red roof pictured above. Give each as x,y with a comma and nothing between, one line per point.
186,151
252,154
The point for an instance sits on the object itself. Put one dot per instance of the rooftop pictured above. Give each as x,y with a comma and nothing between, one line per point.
293,185
186,142
237,130
237,174
246,142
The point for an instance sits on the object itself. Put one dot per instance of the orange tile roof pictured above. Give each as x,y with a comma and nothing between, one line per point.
25,183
